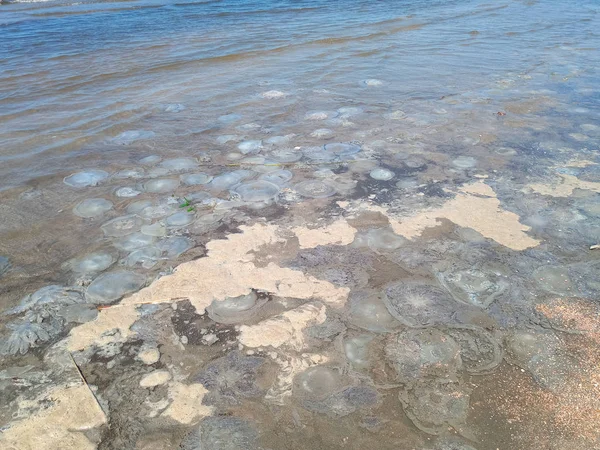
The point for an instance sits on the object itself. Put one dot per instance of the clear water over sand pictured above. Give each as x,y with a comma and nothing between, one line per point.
383,213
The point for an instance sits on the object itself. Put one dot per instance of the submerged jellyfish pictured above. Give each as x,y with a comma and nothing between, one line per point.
92,207
235,309
381,174
318,154
149,160
179,219
279,176
479,350
379,240
226,180
473,286
179,164
257,191
318,382
129,137
285,155
122,226
161,185
134,241
345,402
235,376
367,311
157,229
433,406
321,115
25,334
129,173
322,133
127,192
175,246
416,354
465,162
146,257
138,206
314,189
246,147
222,433
45,301
87,178
342,149
416,304
193,179
110,287
357,350
91,263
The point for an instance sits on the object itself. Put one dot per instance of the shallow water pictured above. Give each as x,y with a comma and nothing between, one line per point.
429,174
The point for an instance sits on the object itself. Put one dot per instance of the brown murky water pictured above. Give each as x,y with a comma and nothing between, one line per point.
288,225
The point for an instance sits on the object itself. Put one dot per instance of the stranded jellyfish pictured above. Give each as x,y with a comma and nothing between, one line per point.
179,164
479,350
417,304
91,263
381,174
92,207
285,155
474,287
279,176
193,179
379,240
122,226
161,185
320,115
227,180
127,192
358,350
314,189
416,354
246,147
129,173
235,309
134,241
179,219
87,178
146,257
367,311
342,149
174,246
129,137
150,160
110,287
257,191
222,433
465,162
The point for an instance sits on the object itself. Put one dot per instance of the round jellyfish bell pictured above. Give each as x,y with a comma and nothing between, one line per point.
380,174
91,263
134,241
235,309
146,257
247,147
179,164
474,287
285,155
315,189
479,350
110,287
317,382
127,192
92,207
179,219
257,191
358,349
279,177
342,149
194,179
161,185
122,226
86,178
368,312
417,304
465,162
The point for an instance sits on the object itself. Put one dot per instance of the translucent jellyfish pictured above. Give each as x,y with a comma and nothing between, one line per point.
434,406
407,184
235,309
134,241
279,177
465,162
92,207
26,334
358,350
246,147
479,350
161,185
257,191
150,160
379,240
225,181
157,229
342,149
345,402
318,382
179,219
381,174
415,163
174,108
194,179
322,133
87,178
474,287
315,189
367,311
233,377
222,433
91,263
146,257
138,206
110,287
555,279
372,82
130,173
321,115
174,246
47,300
416,354
127,192
416,304
179,164
523,346
280,140
285,155
122,226
271,95
318,154
129,137
161,209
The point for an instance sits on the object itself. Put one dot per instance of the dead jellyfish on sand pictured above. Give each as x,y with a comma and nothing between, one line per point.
174,246
87,178
25,335
194,179
344,402
318,154
222,433
381,174
318,382
465,162
379,240
146,257
92,207
134,241
433,406
479,350
235,309
233,377
358,350
48,299
368,312
279,177
342,149
417,304
285,155
179,219
110,287
91,263
129,137
129,173
179,164
474,287
257,191
127,192
150,160
420,353
246,147
161,185
227,180
314,189
122,226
